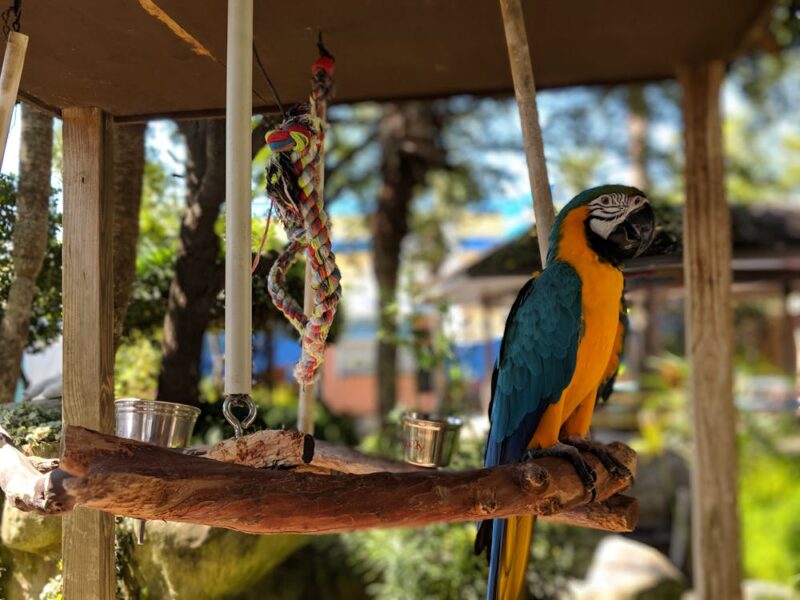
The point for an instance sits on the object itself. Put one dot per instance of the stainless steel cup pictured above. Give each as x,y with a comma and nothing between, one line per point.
164,424
429,440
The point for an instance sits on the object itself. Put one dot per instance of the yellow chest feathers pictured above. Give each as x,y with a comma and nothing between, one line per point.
601,293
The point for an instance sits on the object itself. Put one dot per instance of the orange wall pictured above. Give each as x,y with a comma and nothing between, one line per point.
357,395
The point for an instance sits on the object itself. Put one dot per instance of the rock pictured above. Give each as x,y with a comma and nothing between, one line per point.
183,561
29,532
623,569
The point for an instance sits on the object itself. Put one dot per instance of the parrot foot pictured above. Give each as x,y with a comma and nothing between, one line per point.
614,467
568,452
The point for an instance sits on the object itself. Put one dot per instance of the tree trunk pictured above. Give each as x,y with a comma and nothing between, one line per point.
638,149
128,174
30,241
409,138
199,273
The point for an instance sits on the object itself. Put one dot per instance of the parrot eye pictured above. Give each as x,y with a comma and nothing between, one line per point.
604,200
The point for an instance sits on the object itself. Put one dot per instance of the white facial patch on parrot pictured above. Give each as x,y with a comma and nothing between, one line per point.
607,211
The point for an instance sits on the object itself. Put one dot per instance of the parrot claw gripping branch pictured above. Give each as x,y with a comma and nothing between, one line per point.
283,481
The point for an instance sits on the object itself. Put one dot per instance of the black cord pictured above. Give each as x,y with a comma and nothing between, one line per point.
323,51
269,81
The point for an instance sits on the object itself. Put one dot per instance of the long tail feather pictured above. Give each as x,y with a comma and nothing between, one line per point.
511,542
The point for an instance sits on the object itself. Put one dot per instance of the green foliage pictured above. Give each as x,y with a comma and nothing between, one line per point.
31,425
54,588
438,561
126,587
159,225
277,409
663,422
137,366
45,325
768,499
415,564
768,470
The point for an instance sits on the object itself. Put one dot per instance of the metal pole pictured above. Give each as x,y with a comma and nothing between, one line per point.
519,56
238,110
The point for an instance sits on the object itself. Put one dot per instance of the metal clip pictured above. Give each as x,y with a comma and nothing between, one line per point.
236,400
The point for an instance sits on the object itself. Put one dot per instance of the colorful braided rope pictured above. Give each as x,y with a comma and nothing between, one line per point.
291,182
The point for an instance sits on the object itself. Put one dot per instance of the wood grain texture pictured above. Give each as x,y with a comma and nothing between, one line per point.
709,320
13,61
618,514
264,449
288,449
144,481
120,475
519,55
88,362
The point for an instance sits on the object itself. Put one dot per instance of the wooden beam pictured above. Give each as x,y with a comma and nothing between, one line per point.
13,60
519,55
709,321
88,363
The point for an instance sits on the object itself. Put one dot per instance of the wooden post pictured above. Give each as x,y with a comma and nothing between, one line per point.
88,363
519,56
709,320
13,59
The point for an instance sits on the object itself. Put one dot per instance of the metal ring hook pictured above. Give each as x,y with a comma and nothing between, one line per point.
239,400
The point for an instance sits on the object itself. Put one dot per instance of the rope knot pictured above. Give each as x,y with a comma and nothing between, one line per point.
291,138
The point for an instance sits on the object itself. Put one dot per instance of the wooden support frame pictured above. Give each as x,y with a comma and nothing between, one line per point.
519,55
88,361
134,479
11,73
709,319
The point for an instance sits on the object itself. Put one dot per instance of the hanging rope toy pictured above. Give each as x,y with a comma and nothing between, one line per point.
322,87
292,185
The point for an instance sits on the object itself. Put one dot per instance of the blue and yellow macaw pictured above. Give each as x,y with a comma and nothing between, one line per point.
559,354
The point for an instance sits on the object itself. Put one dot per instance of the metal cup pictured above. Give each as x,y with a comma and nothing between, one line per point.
164,424
429,440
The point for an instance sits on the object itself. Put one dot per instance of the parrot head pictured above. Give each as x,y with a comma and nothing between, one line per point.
618,220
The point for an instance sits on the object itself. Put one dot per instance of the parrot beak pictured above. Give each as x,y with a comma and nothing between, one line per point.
643,221
634,235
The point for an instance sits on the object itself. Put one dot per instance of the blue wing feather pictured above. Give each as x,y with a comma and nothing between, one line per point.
536,362
537,358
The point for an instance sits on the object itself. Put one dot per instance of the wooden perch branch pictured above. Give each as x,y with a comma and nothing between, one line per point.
265,449
25,486
130,478
617,514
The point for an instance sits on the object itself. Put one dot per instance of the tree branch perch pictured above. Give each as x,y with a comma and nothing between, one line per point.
130,478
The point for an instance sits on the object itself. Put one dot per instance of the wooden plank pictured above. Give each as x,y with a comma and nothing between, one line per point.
519,55
709,342
88,363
